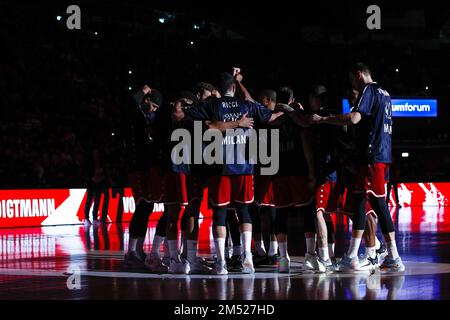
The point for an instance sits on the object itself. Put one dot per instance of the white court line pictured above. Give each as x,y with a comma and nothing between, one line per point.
413,268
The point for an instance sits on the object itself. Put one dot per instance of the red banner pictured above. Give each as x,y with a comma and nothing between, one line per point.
43,207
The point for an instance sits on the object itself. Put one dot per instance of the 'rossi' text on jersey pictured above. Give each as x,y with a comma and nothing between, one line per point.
228,109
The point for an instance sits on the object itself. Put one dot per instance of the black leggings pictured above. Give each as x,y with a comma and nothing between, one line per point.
139,221
232,224
256,212
378,204
162,223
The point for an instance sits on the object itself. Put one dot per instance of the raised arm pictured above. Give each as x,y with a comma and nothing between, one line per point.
238,76
138,97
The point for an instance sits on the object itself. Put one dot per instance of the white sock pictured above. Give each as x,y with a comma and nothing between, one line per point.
191,250
220,249
182,249
237,250
173,249
140,245
273,248
311,245
259,246
132,242
354,247
323,253
392,250
331,250
371,252
246,240
283,250
377,243
156,245
166,248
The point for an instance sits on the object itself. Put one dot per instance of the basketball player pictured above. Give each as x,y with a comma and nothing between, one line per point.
372,118
232,182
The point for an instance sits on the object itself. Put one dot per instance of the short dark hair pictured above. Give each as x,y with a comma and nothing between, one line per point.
268,93
202,86
284,95
226,81
360,66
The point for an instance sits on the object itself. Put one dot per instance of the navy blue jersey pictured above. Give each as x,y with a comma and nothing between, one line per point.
374,132
231,109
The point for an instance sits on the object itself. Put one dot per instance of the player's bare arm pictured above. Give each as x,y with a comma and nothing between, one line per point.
339,120
243,122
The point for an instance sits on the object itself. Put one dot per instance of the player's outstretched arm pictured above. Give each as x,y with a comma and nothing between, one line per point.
339,119
243,122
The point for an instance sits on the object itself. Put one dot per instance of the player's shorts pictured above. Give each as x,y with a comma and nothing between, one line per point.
224,190
147,184
371,179
327,197
264,191
172,187
291,191
192,187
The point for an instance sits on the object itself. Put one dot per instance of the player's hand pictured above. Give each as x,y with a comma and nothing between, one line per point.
315,118
215,93
239,77
245,122
236,71
146,89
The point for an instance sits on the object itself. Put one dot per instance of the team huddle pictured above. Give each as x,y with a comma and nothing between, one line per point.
320,156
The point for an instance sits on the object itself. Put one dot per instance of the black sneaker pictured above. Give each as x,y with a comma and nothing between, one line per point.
234,263
260,260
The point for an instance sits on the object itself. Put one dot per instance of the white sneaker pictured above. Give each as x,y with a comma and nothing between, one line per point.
284,266
198,266
154,264
219,268
328,264
247,264
312,263
178,267
368,264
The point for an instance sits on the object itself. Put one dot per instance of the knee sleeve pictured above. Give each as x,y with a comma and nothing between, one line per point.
271,211
243,213
219,216
379,206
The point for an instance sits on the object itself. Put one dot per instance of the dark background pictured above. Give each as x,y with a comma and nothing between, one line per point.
63,93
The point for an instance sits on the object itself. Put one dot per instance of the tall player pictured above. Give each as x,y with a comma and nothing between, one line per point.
232,182
373,119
